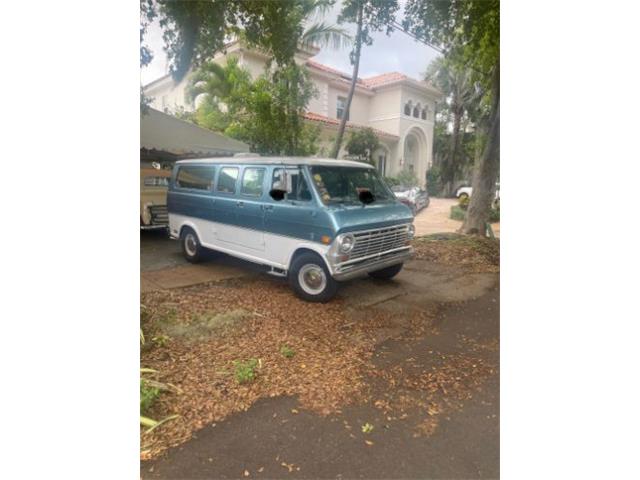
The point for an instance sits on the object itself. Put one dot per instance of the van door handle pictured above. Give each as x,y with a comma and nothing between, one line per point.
240,203
267,207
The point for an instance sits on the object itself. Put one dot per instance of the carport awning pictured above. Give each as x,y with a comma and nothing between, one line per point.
163,132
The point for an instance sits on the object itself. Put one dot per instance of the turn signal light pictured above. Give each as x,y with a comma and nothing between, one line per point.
325,239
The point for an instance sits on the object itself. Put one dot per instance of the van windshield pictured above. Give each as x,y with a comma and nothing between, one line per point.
343,184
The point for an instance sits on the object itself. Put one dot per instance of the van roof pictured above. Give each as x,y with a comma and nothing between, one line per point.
258,160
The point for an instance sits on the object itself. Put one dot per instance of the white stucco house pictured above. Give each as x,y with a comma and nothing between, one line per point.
399,109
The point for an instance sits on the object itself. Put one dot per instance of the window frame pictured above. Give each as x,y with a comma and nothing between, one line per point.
303,174
217,182
344,107
262,189
177,185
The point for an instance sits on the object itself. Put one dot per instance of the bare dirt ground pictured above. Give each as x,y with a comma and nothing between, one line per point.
435,218
392,380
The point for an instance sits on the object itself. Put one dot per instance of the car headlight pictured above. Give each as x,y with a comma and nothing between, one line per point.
345,243
411,232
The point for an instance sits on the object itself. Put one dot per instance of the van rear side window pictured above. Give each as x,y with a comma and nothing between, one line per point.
252,181
199,177
227,180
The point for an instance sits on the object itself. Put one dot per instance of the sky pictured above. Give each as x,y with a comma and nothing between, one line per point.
394,53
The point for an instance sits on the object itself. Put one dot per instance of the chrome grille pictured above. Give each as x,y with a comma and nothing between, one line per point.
374,242
159,215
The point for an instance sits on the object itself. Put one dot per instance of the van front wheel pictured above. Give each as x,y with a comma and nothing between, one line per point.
311,280
191,249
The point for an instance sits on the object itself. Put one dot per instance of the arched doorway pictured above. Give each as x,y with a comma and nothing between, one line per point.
415,154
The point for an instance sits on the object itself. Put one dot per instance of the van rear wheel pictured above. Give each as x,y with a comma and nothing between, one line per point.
191,249
311,280
387,273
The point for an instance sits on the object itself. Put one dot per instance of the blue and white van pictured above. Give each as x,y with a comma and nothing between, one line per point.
315,221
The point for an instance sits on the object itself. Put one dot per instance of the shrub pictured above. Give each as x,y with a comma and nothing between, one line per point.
457,213
463,203
433,181
392,181
245,371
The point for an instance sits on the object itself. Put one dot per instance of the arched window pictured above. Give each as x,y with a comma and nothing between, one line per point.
407,108
416,111
424,113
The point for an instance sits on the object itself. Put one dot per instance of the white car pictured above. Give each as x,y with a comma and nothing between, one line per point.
465,192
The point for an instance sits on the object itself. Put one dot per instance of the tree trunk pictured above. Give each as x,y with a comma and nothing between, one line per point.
486,169
352,88
450,171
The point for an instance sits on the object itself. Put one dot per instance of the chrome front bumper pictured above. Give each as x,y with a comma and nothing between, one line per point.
348,270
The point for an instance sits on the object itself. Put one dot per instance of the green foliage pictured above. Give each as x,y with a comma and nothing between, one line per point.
457,213
245,371
377,16
266,112
392,181
433,181
467,30
369,16
455,130
362,144
194,31
287,351
407,178
161,340
463,202
148,395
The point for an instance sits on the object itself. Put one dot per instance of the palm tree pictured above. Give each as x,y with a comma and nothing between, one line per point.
321,34
463,97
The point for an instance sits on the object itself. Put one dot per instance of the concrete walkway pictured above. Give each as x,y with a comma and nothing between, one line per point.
435,218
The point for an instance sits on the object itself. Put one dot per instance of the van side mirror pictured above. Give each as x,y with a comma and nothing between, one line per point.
277,194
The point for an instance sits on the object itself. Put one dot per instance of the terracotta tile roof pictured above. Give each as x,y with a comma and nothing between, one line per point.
316,117
368,83
328,69
385,78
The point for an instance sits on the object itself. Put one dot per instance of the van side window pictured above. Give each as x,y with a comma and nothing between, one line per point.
252,181
199,177
227,180
297,183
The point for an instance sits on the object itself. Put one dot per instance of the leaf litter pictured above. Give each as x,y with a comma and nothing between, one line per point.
213,325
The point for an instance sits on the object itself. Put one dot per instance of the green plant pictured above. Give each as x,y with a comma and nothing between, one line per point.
392,181
160,340
434,181
245,371
457,213
367,428
148,395
287,351
362,144
463,202
407,178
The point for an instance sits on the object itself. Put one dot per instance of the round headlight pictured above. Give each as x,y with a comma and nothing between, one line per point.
346,243
412,231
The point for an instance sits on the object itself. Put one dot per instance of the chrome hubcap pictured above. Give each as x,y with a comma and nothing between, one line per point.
312,279
190,244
